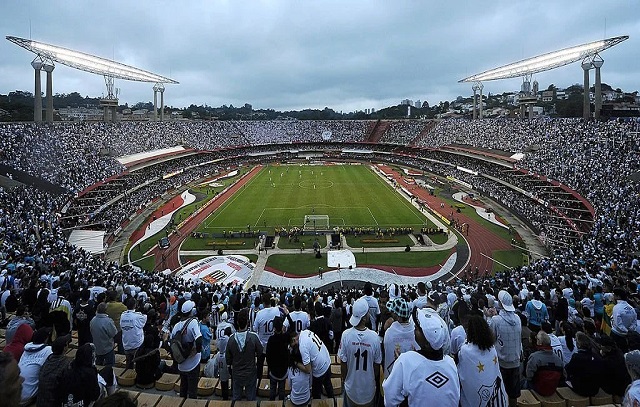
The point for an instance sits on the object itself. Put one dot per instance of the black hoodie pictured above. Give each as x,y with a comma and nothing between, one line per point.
78,385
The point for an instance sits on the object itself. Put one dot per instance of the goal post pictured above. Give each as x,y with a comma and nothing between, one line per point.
316,222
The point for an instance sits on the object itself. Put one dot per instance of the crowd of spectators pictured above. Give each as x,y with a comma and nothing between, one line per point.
403,132
76,155
521,320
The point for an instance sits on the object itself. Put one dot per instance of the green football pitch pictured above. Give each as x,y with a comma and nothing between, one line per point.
281,196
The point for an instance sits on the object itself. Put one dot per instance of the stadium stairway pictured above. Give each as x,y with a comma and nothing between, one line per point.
378,131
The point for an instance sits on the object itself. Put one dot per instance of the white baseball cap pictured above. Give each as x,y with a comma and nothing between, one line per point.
188,306
360,309
433,328
506,300
224,316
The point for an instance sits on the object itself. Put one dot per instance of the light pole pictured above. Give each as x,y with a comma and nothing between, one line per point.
37,64
597,63
586,107
48,68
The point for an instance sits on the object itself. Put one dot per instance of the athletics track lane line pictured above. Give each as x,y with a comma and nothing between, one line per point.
172,253
481,240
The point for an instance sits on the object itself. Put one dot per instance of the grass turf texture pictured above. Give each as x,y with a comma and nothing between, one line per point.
511,258
280,197
306,264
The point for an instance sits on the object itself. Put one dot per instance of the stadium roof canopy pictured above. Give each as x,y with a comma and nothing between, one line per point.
89,63
546,61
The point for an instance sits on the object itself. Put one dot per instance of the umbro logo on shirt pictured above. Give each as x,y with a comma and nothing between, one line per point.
437,380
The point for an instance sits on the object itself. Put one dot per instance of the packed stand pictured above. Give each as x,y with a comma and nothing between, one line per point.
403,132
566,320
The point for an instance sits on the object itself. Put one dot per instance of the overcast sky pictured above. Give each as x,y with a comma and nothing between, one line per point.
344,54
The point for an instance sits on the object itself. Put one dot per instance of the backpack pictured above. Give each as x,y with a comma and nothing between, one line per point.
181,350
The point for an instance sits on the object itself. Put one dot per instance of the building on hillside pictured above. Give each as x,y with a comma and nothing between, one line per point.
80,113
548,95
140,114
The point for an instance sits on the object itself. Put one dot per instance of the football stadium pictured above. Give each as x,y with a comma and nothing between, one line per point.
155,260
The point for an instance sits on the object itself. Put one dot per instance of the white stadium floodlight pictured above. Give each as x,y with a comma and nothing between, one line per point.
546,61
89,63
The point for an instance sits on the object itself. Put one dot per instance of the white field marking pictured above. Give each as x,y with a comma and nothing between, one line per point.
397,195
374,218
290,223
259,217
235,196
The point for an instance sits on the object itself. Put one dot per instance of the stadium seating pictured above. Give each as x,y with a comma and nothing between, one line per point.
607,247
527,399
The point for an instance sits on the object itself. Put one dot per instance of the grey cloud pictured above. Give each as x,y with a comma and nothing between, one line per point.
292,55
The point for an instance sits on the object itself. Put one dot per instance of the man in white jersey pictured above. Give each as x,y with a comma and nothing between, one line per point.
315,360
374,307
224,324
300,318
190,368
263,327
422,300
360,357
132,324
556,345
427,376
398,337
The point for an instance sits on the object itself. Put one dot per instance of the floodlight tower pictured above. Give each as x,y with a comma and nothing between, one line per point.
48,68
586,105
475,98
37,64
47,54
110,101
161,89
480,87
528,96
597,63
588,53
156,88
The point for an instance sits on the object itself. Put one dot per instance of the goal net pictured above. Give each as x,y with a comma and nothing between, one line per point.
316,222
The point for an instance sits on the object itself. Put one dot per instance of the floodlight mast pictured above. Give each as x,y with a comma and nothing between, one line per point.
37,64
589,53
597,63
47,54
109,103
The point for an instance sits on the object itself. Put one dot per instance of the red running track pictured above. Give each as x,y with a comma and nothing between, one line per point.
169,258
481,240
174,203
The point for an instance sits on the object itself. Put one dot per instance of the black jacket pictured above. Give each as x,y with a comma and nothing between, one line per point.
321,327
584,372
79,382
615,377
278,355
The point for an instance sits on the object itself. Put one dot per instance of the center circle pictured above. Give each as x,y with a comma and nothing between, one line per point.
315,184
